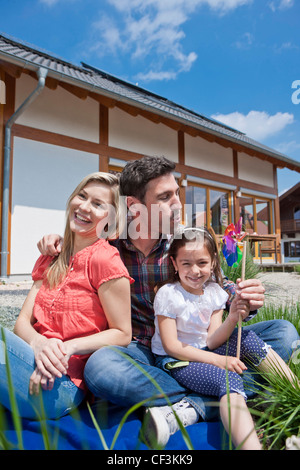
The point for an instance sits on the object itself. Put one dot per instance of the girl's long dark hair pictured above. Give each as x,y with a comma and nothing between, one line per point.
192,234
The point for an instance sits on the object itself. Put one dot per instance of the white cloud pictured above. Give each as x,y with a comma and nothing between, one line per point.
49,3
281,4
289,148
245,42
256,124
286,46
144,28
158,76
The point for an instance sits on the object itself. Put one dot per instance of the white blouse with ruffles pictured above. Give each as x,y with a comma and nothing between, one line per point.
192,312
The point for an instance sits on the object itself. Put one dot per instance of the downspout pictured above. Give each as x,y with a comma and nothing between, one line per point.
42,74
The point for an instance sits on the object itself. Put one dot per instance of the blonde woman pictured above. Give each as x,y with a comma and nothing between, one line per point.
79,302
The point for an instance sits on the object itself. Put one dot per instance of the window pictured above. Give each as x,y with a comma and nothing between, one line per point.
207,206
219,210
256,214
263,217
246,206
195,206
292,249
297,213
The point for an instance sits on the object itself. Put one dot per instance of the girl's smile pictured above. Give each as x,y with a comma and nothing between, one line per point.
194,266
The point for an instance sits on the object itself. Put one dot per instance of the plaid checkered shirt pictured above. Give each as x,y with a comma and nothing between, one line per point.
148,271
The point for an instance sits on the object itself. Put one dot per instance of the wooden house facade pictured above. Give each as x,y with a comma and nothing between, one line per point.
289,203
84,120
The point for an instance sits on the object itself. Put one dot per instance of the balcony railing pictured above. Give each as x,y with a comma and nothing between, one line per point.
291,225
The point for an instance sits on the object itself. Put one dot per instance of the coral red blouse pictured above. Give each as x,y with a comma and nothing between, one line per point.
73,309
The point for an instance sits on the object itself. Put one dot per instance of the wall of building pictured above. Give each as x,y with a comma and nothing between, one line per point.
137,134
255,170
58,111
61,138
210,156
43,178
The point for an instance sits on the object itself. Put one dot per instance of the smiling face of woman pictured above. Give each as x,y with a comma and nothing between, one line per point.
87,209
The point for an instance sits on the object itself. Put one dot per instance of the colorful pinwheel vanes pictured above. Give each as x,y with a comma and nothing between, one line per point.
233,236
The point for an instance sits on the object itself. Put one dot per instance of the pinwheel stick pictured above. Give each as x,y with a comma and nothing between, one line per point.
238,349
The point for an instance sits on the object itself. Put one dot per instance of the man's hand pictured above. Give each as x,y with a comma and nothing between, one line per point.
253,291
239,307
50,245
38,380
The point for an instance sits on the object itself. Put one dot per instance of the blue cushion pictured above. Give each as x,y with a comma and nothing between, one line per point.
77,432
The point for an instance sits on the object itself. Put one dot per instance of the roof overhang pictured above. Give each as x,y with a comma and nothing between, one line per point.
223,134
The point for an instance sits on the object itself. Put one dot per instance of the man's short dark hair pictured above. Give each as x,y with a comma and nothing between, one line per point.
137,174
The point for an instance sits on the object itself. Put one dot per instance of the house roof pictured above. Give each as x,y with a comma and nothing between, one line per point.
85,76
294,192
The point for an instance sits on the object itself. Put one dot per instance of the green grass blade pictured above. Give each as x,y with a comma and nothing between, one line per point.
13,402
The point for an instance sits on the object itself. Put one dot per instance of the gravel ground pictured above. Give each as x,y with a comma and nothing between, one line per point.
12,297
281,289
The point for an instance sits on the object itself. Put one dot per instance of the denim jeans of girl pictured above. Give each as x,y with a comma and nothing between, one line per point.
126,376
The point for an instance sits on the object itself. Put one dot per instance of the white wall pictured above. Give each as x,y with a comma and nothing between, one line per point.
58,111
44,176
137,134
255,170
208,156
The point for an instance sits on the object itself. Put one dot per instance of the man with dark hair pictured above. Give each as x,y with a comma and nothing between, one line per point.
137,174
126,376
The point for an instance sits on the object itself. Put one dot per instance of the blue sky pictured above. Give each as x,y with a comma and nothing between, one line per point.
234,60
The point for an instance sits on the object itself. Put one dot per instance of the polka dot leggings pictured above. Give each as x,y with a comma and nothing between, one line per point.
211,380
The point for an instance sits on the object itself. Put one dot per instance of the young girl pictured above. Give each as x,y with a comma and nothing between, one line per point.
79,302
189,328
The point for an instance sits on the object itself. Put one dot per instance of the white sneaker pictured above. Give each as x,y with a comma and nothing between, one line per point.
160,422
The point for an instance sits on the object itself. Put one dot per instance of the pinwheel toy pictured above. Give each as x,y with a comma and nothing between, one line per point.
233,236
234,251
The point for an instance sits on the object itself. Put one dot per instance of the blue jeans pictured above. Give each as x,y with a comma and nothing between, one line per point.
111,375
56,402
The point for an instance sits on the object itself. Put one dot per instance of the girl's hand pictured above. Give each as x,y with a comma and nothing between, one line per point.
229,362
50,357
239,307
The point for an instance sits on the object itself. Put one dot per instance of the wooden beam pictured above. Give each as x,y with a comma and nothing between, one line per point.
103,136
104,133
11,69
108,102
209,175
75,90
128,109
26,132
181,148
235,164
50,83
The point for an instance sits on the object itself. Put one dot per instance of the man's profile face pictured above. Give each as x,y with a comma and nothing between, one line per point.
163,204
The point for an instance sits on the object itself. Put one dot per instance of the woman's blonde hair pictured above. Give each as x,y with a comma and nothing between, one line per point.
60,265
